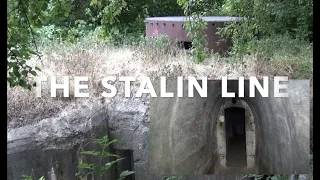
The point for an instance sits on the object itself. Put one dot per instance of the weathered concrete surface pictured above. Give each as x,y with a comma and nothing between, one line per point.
183,141
50,147
284,130
129,123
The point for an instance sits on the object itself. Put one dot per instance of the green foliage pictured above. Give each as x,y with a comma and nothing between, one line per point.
101,168
105,13
172,178
22,18
292,54
124,37
121,23
269,177
195,26
262,19
27,178
125,173
30,178
256,176
242,33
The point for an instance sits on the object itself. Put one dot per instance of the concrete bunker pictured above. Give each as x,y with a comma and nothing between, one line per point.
173,27
236,134
188,135
172,136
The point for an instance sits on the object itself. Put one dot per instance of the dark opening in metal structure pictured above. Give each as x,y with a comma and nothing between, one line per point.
173,28
185,45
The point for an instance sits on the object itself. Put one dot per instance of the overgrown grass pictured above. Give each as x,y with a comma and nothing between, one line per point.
293,55
152,57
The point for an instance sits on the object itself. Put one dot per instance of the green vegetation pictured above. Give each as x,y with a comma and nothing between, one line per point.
277,36
195,26
30,178
271,177
118,23
102,167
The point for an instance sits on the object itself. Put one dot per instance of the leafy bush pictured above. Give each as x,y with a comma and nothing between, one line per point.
100,169
195,26
262,19
121,23
22,18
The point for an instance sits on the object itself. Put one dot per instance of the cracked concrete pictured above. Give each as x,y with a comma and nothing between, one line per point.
50,147
183,130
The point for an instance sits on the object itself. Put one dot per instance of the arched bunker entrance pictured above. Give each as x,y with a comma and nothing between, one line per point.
182,135
188,135
236,136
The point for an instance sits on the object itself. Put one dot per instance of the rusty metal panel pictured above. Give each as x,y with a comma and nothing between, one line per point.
173,28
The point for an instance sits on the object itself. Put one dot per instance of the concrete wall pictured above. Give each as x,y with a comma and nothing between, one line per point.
51,147
284,130
181,136
182,133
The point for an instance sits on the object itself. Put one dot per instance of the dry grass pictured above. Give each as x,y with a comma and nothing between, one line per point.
152,59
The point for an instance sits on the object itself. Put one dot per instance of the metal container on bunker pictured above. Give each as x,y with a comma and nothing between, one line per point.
173,28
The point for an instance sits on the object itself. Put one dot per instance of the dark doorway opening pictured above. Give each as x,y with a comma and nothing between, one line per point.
235,137
126,163
185,45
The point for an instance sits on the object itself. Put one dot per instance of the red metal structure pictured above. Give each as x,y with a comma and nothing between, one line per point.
173,27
